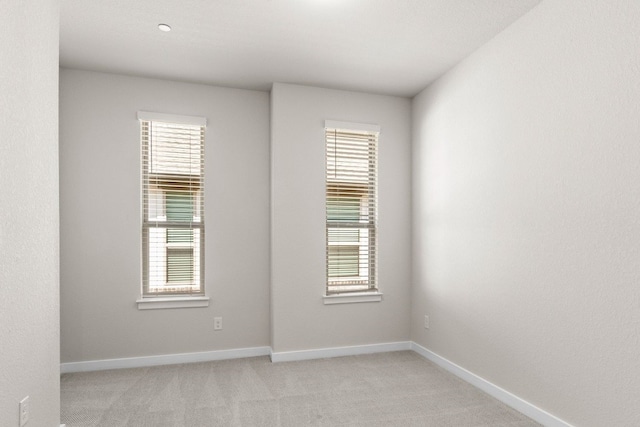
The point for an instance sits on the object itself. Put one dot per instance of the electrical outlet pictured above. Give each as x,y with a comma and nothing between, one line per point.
24,411
217,323
426,321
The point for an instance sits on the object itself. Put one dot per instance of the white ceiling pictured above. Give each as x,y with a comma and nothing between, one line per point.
394,47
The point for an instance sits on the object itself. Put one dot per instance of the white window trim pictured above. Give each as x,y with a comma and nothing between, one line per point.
149,116
173,301
154,303
358,127
364,296
352,298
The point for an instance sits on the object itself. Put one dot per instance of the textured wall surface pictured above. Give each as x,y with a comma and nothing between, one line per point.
100,218
29,303
300,320
526,211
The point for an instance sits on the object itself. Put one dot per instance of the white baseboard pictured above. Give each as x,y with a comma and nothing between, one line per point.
323,353
168,359
509,399
502,395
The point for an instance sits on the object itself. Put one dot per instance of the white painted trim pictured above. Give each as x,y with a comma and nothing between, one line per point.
352,298
172,118
323,353
167,359
499,393
362,127
172,302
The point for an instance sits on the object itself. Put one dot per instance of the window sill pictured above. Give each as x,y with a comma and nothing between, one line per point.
352,298
171,302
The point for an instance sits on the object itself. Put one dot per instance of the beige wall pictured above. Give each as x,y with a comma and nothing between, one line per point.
29,258
100,267
100,218
525,219
300,321
521,236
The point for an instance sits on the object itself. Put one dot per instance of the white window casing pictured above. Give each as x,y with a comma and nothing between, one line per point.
173,228
351,208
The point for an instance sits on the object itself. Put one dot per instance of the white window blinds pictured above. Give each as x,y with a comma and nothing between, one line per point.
351,207
172,205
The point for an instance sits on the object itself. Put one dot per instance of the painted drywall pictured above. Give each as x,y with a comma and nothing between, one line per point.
300,320
29,257
526,225
100,218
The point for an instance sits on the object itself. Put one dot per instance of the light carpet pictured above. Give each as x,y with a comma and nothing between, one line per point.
385,389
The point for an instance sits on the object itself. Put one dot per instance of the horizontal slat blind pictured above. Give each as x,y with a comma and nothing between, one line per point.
173,208
351,208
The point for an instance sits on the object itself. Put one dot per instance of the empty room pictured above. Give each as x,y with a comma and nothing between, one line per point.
319,212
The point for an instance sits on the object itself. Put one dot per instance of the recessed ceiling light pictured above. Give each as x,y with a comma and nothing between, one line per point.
164,27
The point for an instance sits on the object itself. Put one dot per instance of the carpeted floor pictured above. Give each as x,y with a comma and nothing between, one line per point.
386,389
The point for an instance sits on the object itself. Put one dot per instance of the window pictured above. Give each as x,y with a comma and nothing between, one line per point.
172,205
351,207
